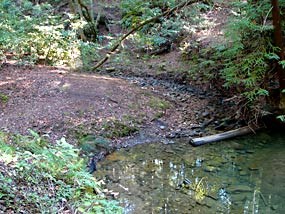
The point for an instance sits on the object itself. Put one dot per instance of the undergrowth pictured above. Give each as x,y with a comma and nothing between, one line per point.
39,34
37,177
164,31
244,62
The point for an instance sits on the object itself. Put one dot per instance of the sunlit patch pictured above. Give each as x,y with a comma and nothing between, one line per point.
6,82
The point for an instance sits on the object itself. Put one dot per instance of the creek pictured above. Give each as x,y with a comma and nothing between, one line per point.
244,175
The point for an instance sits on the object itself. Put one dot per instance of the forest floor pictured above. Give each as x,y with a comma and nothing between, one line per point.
143,99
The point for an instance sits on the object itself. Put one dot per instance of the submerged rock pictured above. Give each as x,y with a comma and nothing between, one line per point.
242,173
239,189
211,169
253,167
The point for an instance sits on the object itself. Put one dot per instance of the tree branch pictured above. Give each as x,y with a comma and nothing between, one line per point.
140,25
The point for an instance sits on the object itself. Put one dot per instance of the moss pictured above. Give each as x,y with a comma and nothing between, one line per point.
158,104
4,98
116,128
158,115
93,144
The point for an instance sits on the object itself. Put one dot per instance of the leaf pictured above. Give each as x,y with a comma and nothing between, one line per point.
272,56
34,134
282,63
281,117
263,92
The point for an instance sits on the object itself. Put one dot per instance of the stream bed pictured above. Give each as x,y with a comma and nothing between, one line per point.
245,175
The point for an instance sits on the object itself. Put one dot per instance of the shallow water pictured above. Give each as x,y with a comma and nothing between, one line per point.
237,176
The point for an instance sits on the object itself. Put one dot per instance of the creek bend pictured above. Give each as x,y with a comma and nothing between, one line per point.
244,175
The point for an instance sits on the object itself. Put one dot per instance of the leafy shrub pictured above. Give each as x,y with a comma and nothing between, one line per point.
246,57
154,34
244,61
88,54
35,34
135,11
40,178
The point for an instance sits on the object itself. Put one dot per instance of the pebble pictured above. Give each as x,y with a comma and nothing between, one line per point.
205,114
177,199
210,169
239,197
239,188
253,167
242,173
195,126
162,127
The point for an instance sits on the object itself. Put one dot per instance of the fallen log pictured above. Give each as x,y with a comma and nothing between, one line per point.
222,136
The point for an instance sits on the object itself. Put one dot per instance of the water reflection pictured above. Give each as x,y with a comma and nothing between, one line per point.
245,176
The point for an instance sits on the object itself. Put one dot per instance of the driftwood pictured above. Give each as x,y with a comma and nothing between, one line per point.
140,25
223,136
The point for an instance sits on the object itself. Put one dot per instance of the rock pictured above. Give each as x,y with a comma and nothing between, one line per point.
193,134
241,152
110,69
195,126
172,135
205,114
239,197
242,173
177,199
274,207
216,161
162,127
253,167
210,169
239,189
206,203
237,146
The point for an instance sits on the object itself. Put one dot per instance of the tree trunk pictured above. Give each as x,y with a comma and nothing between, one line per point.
278,39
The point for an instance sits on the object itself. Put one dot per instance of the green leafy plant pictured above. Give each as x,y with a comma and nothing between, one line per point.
4,98
43,178
245,61
155,34
36,33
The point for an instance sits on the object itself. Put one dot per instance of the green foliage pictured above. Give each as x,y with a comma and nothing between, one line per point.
40,178
244,61
136,11
93,144
281,118
33,33
36,34
88,54
282,63
247,58
158,104
154,34
116,128
4,98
